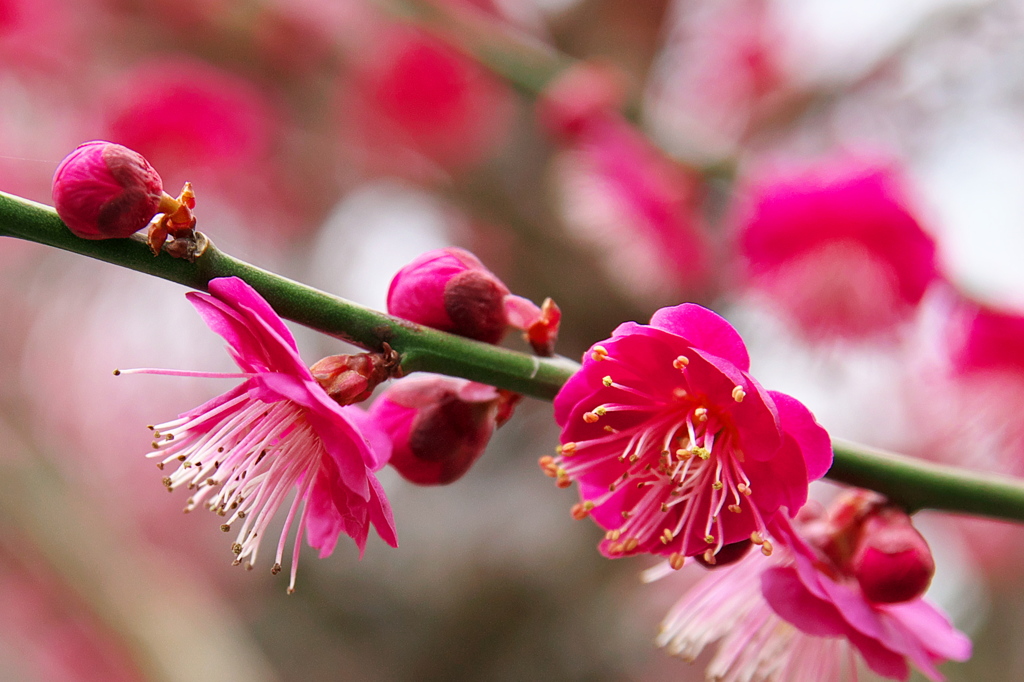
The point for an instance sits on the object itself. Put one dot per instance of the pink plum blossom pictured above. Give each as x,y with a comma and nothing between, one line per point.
837,249
439,425
799,616
242,453
676,448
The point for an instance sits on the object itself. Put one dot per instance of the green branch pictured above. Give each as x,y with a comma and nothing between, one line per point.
911,483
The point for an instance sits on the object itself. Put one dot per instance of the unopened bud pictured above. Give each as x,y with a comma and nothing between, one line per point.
351,378
892,562
439,426
103,190
451,290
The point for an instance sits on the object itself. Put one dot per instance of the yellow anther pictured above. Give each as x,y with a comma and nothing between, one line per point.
613,535
609,429
667,536
567,449
664,507
599,353
738,394
709,557
757,538
701,413
601,411
676,561
679,393
743,488
631,544
709,538
717,485
681,362
684,454
766,548
582,510
734,508
702,452
590,417
607,381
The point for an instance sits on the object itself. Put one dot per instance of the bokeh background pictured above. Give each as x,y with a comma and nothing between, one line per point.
602,152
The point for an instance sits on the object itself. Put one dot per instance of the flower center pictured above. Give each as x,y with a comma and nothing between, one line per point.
241,459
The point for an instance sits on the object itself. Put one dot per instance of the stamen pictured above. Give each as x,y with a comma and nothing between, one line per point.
607,381
738,394
676,561
599,353
681,362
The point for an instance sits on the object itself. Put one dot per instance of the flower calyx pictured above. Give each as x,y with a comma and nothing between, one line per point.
349,379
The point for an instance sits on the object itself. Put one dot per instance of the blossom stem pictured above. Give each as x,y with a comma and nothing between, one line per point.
911,483
421,348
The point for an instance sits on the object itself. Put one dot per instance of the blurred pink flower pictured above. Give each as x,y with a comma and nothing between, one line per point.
798,615
719,70
188,116
836,249
43,35
439,425
640,209
676,448
243,452
416,103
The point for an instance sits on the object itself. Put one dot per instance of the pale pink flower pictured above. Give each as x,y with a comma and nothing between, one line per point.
720,71
622,195
243,453
676,448
836,249
801,616
439,425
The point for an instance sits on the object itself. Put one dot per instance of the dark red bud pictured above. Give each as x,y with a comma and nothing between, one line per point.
893,562
475,302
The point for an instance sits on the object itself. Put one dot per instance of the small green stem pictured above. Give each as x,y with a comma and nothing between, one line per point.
912,483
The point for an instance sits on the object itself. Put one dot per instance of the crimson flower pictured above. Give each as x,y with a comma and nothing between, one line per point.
243,453
676,448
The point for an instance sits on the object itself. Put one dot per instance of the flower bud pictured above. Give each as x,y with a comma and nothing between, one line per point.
892,562
349,379
103,190
439,425
451,290
584,93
